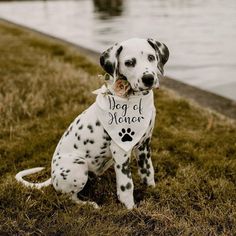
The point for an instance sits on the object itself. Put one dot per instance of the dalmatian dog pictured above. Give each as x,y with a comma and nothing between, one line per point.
86,146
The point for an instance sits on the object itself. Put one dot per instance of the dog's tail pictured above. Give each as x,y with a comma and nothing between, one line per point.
21,174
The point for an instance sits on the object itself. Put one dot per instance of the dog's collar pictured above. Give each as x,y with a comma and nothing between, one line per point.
108,90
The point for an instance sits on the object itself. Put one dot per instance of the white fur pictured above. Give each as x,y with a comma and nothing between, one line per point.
21,174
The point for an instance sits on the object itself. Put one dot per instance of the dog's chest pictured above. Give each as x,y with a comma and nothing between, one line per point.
87,138
125,119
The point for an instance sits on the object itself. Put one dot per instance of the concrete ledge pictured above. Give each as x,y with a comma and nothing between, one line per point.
204,98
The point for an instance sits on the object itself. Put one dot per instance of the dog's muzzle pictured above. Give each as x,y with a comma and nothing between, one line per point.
148,80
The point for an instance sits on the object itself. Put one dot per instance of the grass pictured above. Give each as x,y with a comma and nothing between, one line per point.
44,85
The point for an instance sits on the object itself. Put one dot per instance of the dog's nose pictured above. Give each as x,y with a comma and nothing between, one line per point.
148,80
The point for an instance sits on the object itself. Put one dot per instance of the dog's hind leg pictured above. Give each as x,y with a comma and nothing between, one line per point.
70,174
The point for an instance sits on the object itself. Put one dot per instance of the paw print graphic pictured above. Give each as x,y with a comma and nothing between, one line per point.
126,135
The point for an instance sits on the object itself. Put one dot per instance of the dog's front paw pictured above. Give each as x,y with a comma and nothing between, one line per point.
130,206
148,181
128,201
151,183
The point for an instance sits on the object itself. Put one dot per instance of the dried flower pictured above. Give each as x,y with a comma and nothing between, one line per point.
121,88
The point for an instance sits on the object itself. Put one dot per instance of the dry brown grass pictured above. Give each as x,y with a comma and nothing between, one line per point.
44,84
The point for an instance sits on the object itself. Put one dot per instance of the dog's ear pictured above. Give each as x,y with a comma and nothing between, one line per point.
109,59
162,51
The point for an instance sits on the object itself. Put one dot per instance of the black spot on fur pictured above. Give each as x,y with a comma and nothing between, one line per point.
128,186
98,123
145,145
126,169
119,51
81,127
109,67
143,171
75,146
150,122
63,175
141,159
90,127
87,156
104,145
122,187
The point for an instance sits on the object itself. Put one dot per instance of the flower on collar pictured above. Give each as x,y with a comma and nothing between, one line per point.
121,88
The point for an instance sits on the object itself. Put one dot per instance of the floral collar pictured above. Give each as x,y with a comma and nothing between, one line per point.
120,88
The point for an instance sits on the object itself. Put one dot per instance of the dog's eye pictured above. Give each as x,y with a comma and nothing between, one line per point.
151,58
130,63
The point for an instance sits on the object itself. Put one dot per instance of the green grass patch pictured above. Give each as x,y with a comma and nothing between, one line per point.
44,85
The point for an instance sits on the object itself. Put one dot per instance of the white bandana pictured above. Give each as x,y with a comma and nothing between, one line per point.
125,119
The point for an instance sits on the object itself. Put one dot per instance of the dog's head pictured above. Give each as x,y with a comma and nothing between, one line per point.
140,61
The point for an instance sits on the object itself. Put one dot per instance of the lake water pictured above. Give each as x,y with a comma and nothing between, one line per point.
200,34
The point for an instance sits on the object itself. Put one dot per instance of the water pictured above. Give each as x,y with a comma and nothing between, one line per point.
200,34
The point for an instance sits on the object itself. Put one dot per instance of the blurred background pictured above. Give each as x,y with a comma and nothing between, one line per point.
200,34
